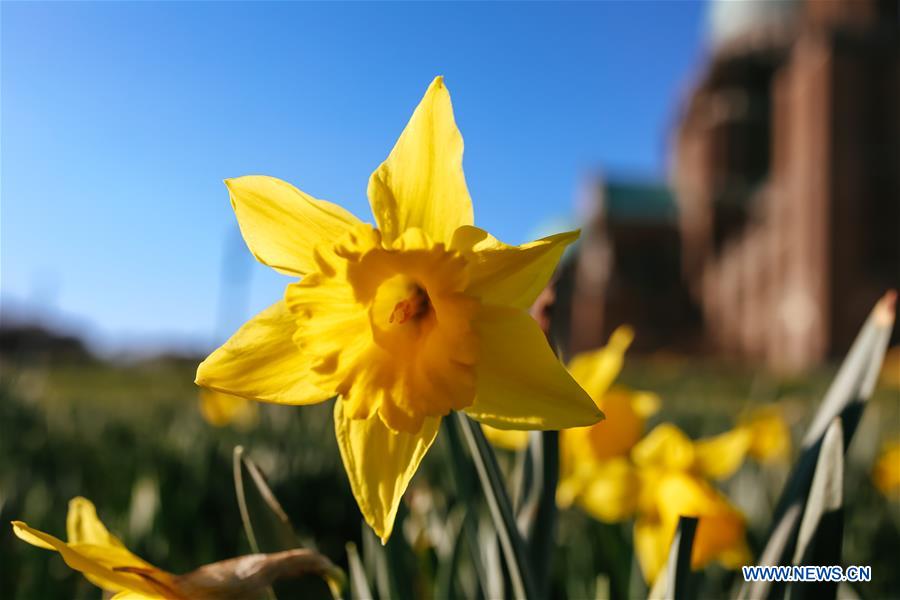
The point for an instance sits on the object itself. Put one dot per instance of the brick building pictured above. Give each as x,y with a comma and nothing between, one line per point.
786,178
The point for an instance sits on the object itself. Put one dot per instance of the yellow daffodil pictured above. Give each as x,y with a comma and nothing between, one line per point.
594,468
105,561
720,529
763,435
886,473
671,469
405,321
595,372
219,409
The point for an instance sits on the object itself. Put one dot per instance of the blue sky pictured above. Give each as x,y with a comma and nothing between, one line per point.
120,121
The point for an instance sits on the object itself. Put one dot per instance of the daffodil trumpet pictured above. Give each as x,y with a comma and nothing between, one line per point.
404,321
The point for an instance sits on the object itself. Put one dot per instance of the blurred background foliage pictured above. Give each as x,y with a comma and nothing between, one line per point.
131,437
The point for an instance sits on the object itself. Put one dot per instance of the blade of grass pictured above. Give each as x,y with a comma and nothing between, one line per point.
359,587
463,474
390,561
678,576
820,538
238,471
514,550
845,399
536,518
269,530
450,551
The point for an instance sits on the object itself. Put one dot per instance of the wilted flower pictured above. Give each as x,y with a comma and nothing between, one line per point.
404,322
105,561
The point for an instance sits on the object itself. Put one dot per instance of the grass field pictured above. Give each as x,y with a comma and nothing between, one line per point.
131,438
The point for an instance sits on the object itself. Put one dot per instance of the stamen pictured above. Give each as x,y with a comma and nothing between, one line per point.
410,308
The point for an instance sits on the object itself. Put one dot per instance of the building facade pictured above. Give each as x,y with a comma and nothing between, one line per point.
786,177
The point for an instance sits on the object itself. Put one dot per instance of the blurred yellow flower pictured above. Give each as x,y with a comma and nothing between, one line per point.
594,468
220,409
404,322
672,469
614,474
105,561
886,473
770,436
597,370
720,530
763,435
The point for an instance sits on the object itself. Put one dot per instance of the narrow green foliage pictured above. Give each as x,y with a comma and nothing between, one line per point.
677,582
359,586
821,533
845,400
515,552
269,529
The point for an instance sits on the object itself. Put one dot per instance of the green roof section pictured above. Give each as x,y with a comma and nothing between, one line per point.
643,202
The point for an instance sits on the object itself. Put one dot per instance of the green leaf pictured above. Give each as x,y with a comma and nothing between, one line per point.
449,553
359,586
463,474
845,399
677,582
821,533
389,563
267,526
515,552
536,515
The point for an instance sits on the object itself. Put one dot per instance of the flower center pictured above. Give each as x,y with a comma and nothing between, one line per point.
401,305
413,307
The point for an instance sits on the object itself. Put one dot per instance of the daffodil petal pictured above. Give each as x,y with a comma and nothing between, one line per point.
83,526
520,383
595,371
508,439
282,225
509,275
610,493
651,546
262,362
720,456
667,447
380,463
770,433
617,434
83,558
645,404
721,529
24,533
220,409
421,184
